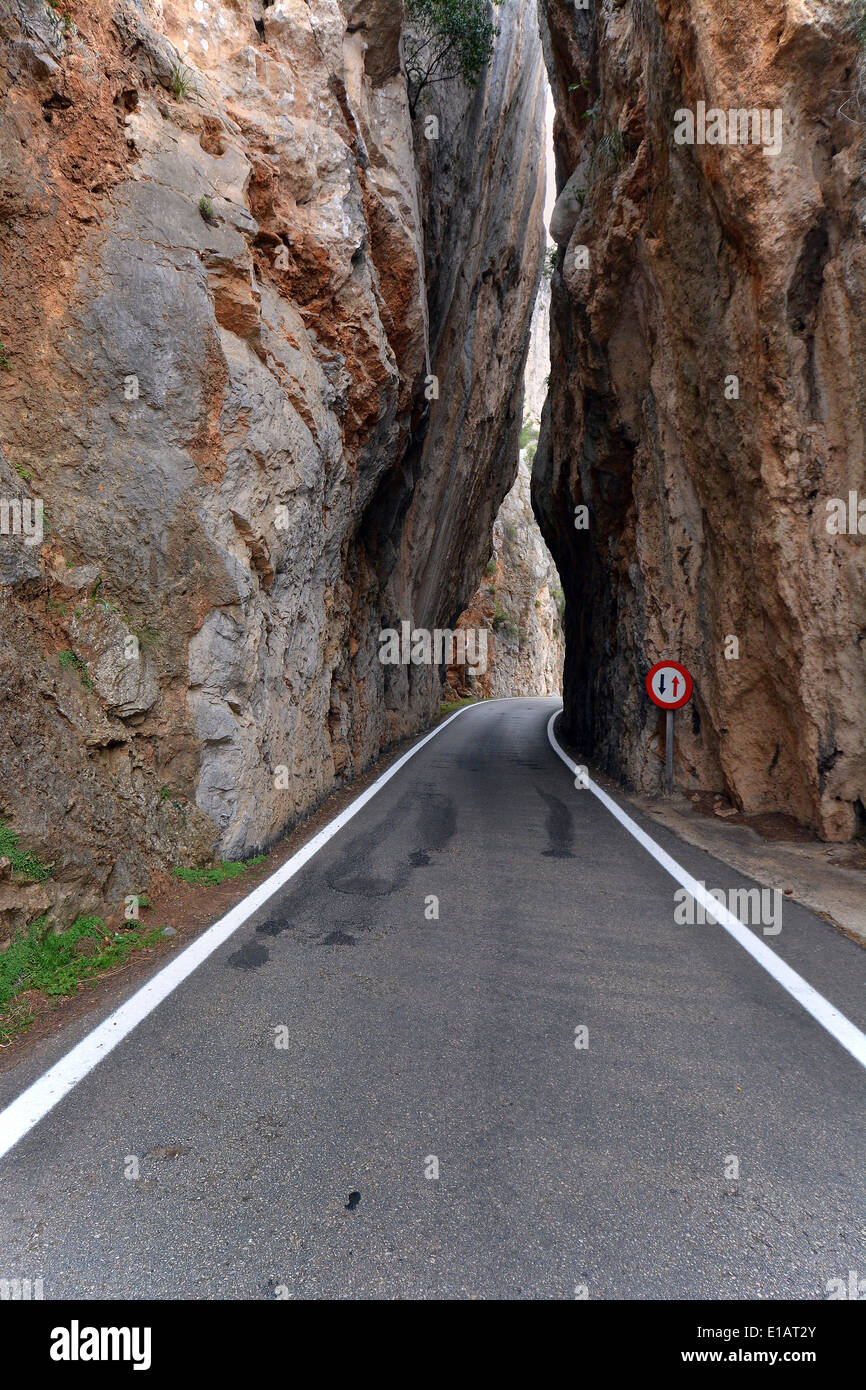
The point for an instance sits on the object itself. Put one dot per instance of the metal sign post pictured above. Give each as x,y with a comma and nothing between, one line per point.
669,752
669,686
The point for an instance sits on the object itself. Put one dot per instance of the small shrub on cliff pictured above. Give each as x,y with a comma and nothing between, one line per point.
28,865
506,625
205,207
148,636
552,262
64,20
182,81
857,19
609,150
97,596
446,39
853,108
71,661
529,432
5,364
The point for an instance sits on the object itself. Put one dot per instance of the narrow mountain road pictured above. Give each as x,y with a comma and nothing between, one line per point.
412,1043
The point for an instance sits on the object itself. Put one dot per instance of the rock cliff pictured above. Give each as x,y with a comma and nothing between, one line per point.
708,392
229,267
519,602
520,598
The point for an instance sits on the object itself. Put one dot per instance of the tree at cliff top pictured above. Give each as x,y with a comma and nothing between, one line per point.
446,39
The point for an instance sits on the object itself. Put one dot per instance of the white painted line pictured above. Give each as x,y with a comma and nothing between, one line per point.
840,1027
34,1103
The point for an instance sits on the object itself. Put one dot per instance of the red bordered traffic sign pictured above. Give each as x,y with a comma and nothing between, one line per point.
669,685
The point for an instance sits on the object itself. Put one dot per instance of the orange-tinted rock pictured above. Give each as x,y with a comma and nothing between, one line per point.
682,267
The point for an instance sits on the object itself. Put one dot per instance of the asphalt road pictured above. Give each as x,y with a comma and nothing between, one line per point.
407,1039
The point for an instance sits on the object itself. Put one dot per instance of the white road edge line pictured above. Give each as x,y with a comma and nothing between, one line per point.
840,1027
32,1105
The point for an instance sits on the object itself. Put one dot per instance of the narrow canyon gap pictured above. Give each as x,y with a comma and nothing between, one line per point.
233,263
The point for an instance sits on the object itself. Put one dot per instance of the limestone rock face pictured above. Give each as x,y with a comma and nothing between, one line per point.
519,599
519,603
537,375
708,393
218,251
435,514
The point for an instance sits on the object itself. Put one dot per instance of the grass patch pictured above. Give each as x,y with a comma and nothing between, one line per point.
97,596
182,81
226,869
55,964
71,661
28,865
148,636
449,706
16,1017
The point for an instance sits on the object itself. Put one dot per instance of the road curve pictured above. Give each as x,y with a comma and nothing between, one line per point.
412,1045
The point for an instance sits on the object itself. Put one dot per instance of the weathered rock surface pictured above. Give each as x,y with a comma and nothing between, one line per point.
520,598
519,603
217,258
484,259
536,378
707,513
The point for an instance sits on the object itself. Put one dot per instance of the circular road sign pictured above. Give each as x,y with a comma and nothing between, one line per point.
669,685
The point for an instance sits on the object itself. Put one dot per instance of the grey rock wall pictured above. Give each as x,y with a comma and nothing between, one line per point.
217,257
